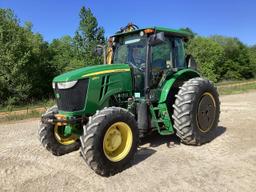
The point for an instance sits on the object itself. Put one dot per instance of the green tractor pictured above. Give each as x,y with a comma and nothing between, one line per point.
147,84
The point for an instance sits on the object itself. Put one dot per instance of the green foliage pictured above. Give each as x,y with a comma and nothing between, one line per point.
28,64
62,51
223,58
86,38
208,54
25,71
236,62
71,53
252,58
187,29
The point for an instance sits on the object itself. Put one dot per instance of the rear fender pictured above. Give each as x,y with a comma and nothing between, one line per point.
169,90
178,78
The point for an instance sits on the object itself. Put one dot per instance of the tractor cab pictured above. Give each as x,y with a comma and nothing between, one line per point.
153,53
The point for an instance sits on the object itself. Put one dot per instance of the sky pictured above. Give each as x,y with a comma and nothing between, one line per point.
56,18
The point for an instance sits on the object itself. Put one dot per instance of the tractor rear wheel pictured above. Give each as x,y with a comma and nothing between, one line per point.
52,138
109,141
196,111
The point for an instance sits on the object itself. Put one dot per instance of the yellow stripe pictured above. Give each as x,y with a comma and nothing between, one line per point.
107,71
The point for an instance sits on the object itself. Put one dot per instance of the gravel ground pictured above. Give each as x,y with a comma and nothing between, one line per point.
228,163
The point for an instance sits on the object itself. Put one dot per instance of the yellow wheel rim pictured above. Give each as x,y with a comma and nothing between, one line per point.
117,141
64,140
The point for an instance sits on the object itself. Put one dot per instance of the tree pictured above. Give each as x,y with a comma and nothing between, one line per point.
86,38
208,54
63,55
236,62
252,58
187,29
13,56
25,71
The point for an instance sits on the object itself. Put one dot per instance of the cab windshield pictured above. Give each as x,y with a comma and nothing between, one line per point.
131,50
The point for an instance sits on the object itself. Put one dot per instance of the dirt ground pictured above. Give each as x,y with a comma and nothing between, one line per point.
228,163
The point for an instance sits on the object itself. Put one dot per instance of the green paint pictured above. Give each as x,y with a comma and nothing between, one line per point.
70,129
118,83
163,114
167,129
98,94
188,73
79,73
174,32
67,130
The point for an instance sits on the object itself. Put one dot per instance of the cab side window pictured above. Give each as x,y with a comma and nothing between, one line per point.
178,53
161,56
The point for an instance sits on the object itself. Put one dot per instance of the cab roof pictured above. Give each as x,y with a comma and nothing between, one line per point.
174,32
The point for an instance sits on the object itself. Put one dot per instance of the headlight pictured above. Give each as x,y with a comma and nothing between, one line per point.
53,85
66,85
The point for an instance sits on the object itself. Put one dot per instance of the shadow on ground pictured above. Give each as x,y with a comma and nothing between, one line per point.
219,131
155,140
142,154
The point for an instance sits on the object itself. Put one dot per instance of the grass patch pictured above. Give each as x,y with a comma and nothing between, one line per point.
28,106
15,117
20,116
31,110
223,83
228,90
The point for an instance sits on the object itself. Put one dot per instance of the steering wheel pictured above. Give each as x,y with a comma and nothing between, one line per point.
130,63
142,63
140,59
141,68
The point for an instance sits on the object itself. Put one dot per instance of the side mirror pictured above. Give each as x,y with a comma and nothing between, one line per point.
191,62
100,50
156,39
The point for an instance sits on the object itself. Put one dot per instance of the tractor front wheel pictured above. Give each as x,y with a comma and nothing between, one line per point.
109,141
52,137
196,111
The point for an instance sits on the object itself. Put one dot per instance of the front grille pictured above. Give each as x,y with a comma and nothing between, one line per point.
72,99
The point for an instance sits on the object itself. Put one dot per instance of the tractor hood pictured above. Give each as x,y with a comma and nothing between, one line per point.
92,71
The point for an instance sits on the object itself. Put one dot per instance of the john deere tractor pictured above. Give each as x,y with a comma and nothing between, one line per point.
147,84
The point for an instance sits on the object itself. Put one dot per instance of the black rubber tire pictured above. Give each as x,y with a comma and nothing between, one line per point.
92,140
48,140
185,113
